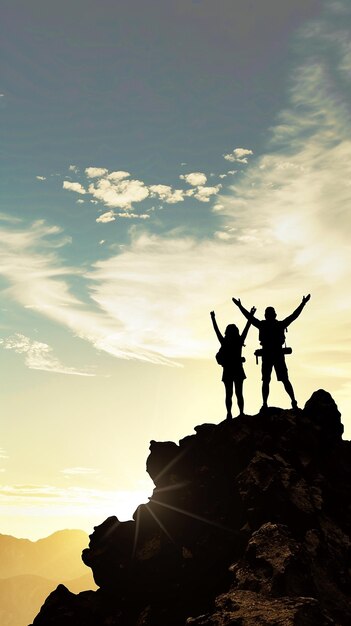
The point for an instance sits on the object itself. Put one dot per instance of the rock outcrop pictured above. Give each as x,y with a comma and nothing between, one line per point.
249,524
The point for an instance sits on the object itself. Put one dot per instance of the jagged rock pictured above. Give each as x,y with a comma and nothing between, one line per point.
247,608
255,512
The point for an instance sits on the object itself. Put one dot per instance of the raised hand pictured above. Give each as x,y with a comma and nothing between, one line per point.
253,310
306,298
236,301
213,314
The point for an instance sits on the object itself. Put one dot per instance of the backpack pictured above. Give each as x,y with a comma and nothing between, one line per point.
271,333
220,356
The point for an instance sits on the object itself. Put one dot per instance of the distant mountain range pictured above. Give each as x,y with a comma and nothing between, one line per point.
30,570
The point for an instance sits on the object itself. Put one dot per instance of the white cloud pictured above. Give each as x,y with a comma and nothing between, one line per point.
77,187
80,201
95,172
140,216
195,179
40,177
107,217
117,176
38,355
73,168
204,194
121,194
167,194
239,155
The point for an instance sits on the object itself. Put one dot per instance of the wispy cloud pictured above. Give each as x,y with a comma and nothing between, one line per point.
90,505
80,471
3,454
38,355
40,177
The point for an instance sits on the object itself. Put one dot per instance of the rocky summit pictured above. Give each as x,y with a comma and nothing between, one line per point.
248,525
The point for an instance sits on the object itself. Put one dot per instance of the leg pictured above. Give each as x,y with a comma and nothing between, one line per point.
267,365
239,395
265,391
282,374
228,397
289,390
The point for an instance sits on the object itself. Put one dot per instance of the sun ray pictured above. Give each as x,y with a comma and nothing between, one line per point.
194,516
160,524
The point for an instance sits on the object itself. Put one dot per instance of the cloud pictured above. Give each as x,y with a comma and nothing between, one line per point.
167,194
80,471
80,201
38,355
110,216
40,177
37,280
239,155
117,189
77,187
115,177
3,454
70,501
204,194
73,168
95,172
121,193
195,179
107,217
139,216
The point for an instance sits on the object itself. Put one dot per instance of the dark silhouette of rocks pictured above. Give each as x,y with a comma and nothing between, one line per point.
249,524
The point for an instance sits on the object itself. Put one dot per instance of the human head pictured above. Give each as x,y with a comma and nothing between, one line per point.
231,331
270,313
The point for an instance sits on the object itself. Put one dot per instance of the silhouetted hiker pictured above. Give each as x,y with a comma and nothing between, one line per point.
272,339
232,362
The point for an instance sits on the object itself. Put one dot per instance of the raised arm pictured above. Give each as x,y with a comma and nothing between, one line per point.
248,314
296,313
216,329
248,324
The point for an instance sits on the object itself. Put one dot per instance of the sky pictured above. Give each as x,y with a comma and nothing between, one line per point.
158,159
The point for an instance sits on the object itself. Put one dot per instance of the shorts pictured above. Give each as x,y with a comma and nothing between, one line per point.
276,361
231,374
